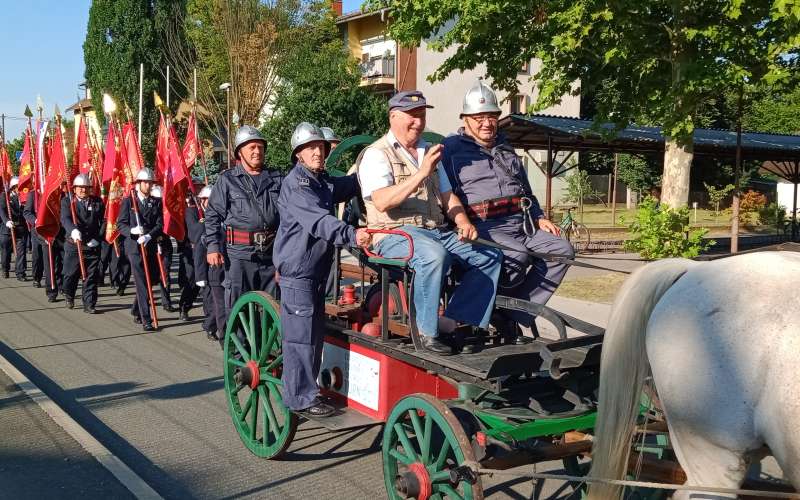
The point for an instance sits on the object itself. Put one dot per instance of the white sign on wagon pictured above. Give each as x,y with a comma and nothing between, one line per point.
361,374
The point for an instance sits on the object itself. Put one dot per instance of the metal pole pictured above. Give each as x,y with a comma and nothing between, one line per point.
737,175
794,214
195,84
549,180
167,86
228,135
3,125
141,96
614,191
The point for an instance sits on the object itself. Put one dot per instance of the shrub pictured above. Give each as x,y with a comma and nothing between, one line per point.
772,215
659,231
752,201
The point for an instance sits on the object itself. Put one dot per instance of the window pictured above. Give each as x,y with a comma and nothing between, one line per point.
518,104
525,69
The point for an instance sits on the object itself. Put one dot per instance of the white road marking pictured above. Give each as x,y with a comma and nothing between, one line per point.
117,467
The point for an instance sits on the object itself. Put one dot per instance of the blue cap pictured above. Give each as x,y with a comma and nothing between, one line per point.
408,100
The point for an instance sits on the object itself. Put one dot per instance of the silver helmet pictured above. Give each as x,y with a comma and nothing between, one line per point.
480,99
13,183
82,180
155,191
245,134
307,132
204,193
145,174
330,135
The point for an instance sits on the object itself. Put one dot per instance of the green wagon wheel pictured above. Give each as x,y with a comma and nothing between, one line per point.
253,363
423,442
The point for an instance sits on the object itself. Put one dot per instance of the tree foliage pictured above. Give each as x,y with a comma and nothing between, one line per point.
120,35
320,84
640,174
653,58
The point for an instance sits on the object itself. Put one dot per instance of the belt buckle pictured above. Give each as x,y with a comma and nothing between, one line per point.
260,239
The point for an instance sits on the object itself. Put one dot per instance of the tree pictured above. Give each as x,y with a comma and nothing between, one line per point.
120,36
640,174
320,84
716,195
12,147
657,58
241,42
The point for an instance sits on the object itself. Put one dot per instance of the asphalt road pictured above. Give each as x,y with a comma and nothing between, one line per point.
155,400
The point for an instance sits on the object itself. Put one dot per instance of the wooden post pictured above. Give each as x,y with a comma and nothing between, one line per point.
737,176
614,192
549,180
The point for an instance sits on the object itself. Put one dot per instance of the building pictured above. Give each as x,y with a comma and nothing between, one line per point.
387,68
84,110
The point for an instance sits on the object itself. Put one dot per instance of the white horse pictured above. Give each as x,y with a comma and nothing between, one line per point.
723,343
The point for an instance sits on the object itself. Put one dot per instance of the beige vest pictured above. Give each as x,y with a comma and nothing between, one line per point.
422,209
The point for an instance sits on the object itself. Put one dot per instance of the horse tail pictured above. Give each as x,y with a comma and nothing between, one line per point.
623,368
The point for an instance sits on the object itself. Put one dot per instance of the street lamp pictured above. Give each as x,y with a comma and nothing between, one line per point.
227,88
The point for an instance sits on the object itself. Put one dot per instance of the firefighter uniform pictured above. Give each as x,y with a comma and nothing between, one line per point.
21,233
89,213
38,244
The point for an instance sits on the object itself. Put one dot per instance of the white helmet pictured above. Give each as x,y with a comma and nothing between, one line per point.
479,99
13,183
330,135
145,174
245,134
308,132
205,192
155,191
82,180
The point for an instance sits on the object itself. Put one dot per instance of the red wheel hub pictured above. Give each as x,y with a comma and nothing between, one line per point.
423,480
252,366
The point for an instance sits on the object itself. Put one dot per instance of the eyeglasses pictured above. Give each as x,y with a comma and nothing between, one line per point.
484,118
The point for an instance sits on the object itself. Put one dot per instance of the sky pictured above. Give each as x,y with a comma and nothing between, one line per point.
43,55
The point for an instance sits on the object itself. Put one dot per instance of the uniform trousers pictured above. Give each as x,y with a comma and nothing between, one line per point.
245,275
187,279
120,265
38,254
72,272
56,249
141,306
20,252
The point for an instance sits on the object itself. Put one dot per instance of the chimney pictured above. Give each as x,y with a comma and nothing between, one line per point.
336,5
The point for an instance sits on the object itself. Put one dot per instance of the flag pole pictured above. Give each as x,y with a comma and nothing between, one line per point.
167,86
71,196
6,189
141,95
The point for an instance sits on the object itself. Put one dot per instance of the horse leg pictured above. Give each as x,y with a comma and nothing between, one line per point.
707,464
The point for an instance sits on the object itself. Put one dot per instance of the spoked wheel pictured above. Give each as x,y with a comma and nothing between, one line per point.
579,237
253,364
424,449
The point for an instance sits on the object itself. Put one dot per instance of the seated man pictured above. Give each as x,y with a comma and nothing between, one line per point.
488,178
404,188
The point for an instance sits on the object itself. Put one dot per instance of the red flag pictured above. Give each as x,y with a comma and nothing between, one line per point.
191,148
176,181
26,166
114,183
49,210
82,149
162,150
5,166
132,154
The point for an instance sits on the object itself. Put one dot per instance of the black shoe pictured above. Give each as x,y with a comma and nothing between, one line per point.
212,336
184,315
137,320
90,310
51,298
5,274
317,410
169,308
435,345
470,348
121,291
22,278
37,284
147,327
70,303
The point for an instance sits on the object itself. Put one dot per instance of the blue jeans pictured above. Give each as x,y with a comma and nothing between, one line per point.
434,251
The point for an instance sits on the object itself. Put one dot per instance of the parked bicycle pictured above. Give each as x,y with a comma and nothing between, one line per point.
574,231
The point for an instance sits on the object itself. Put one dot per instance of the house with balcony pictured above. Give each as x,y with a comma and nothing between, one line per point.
387,68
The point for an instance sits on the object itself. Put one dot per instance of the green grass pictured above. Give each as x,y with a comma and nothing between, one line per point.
600,216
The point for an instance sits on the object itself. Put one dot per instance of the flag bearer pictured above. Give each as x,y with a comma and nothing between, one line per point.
14,222
136,232
165,256
86,231
38,244
56,247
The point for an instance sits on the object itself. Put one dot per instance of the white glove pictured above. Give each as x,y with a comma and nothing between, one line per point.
200,283
10,225
137,230
75,235
92,243
144,239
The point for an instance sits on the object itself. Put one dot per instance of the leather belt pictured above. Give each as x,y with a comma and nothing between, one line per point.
259,239
496,207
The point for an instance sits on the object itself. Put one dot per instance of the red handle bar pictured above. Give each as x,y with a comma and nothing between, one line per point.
397,232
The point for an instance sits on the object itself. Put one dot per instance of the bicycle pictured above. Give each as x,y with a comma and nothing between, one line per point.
574,231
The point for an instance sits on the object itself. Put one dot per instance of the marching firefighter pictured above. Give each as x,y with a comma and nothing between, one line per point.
140,223
38,244
14,222
242,216
53,278
303,250
208,278
491,182
193,217
84,230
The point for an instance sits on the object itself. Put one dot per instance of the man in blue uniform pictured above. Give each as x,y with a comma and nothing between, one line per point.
242,216
14,221
165,252
208,279
142,229
84,230
489,179
193,217
56,247
38,244
303,251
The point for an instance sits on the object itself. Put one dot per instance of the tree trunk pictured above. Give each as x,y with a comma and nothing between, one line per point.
677,166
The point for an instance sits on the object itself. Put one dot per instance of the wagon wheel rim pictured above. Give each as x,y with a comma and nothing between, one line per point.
253,364
422,442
